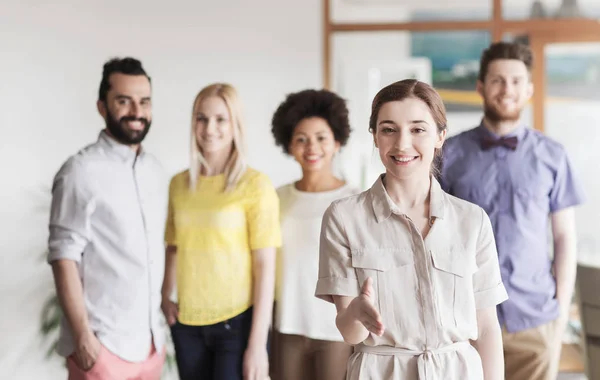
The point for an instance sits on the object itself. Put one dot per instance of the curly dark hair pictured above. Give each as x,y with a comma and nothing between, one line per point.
310,103
128,65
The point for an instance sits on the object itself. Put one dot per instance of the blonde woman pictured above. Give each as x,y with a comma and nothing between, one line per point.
222,232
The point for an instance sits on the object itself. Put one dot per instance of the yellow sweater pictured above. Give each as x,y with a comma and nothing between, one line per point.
215,232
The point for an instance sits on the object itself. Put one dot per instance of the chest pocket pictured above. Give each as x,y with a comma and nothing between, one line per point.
533,185
393,274
453,286
537,196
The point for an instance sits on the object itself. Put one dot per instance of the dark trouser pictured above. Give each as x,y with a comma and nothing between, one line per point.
213,352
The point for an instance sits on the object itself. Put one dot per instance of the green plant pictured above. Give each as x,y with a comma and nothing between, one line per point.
51,316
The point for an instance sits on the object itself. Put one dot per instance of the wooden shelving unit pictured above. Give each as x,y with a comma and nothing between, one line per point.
540,32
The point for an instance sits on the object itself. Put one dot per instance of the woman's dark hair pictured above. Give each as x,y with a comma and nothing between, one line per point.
128,66
310,103
412,88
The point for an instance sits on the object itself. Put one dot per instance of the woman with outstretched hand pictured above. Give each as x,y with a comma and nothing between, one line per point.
412,270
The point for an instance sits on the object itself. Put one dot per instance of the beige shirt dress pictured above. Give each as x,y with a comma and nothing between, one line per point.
427,291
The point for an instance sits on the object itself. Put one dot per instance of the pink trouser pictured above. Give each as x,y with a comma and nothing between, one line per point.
109,366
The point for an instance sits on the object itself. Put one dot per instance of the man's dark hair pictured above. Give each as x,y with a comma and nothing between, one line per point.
504,50
128,66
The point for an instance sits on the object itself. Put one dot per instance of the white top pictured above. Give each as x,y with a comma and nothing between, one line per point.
108,215
297,310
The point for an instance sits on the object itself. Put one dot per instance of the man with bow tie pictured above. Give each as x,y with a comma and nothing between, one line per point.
523,180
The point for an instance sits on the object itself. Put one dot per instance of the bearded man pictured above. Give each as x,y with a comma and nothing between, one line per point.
107,221
523,180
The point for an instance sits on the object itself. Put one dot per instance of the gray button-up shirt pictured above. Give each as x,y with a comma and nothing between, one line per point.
518,190
108,215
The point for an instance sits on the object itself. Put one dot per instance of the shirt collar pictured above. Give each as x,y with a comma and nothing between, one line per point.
383,206
518,132
122,151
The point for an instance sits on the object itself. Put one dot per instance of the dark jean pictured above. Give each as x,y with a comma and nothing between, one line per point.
213,352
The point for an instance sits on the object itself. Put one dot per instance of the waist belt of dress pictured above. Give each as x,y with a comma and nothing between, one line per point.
424,358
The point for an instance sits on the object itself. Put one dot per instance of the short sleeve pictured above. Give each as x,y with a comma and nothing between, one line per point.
70,214
263,214
444,162
170,235
566,191
487,281
442,176
337,277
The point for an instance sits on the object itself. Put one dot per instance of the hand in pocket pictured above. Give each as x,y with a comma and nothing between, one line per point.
87,351
171,311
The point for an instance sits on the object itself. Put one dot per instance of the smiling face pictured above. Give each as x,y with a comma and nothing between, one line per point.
505,90
313,144
214,129
128,108
406,135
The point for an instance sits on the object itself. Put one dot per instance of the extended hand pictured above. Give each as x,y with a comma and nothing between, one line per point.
363,309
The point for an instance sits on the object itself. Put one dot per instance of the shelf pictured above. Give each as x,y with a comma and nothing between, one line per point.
560,28
412,26
564,28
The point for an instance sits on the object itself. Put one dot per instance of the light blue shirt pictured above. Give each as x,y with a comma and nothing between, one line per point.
519,190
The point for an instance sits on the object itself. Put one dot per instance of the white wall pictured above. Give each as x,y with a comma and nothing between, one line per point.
356,57
50,68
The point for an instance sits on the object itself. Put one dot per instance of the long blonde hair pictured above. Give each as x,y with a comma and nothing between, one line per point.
236,164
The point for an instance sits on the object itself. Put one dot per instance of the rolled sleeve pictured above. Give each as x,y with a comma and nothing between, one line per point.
69,214
263,215
491,297
337,277
65,244
566,191
170,231
487,281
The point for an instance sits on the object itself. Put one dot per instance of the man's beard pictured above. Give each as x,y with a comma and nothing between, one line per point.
495,115
119,130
